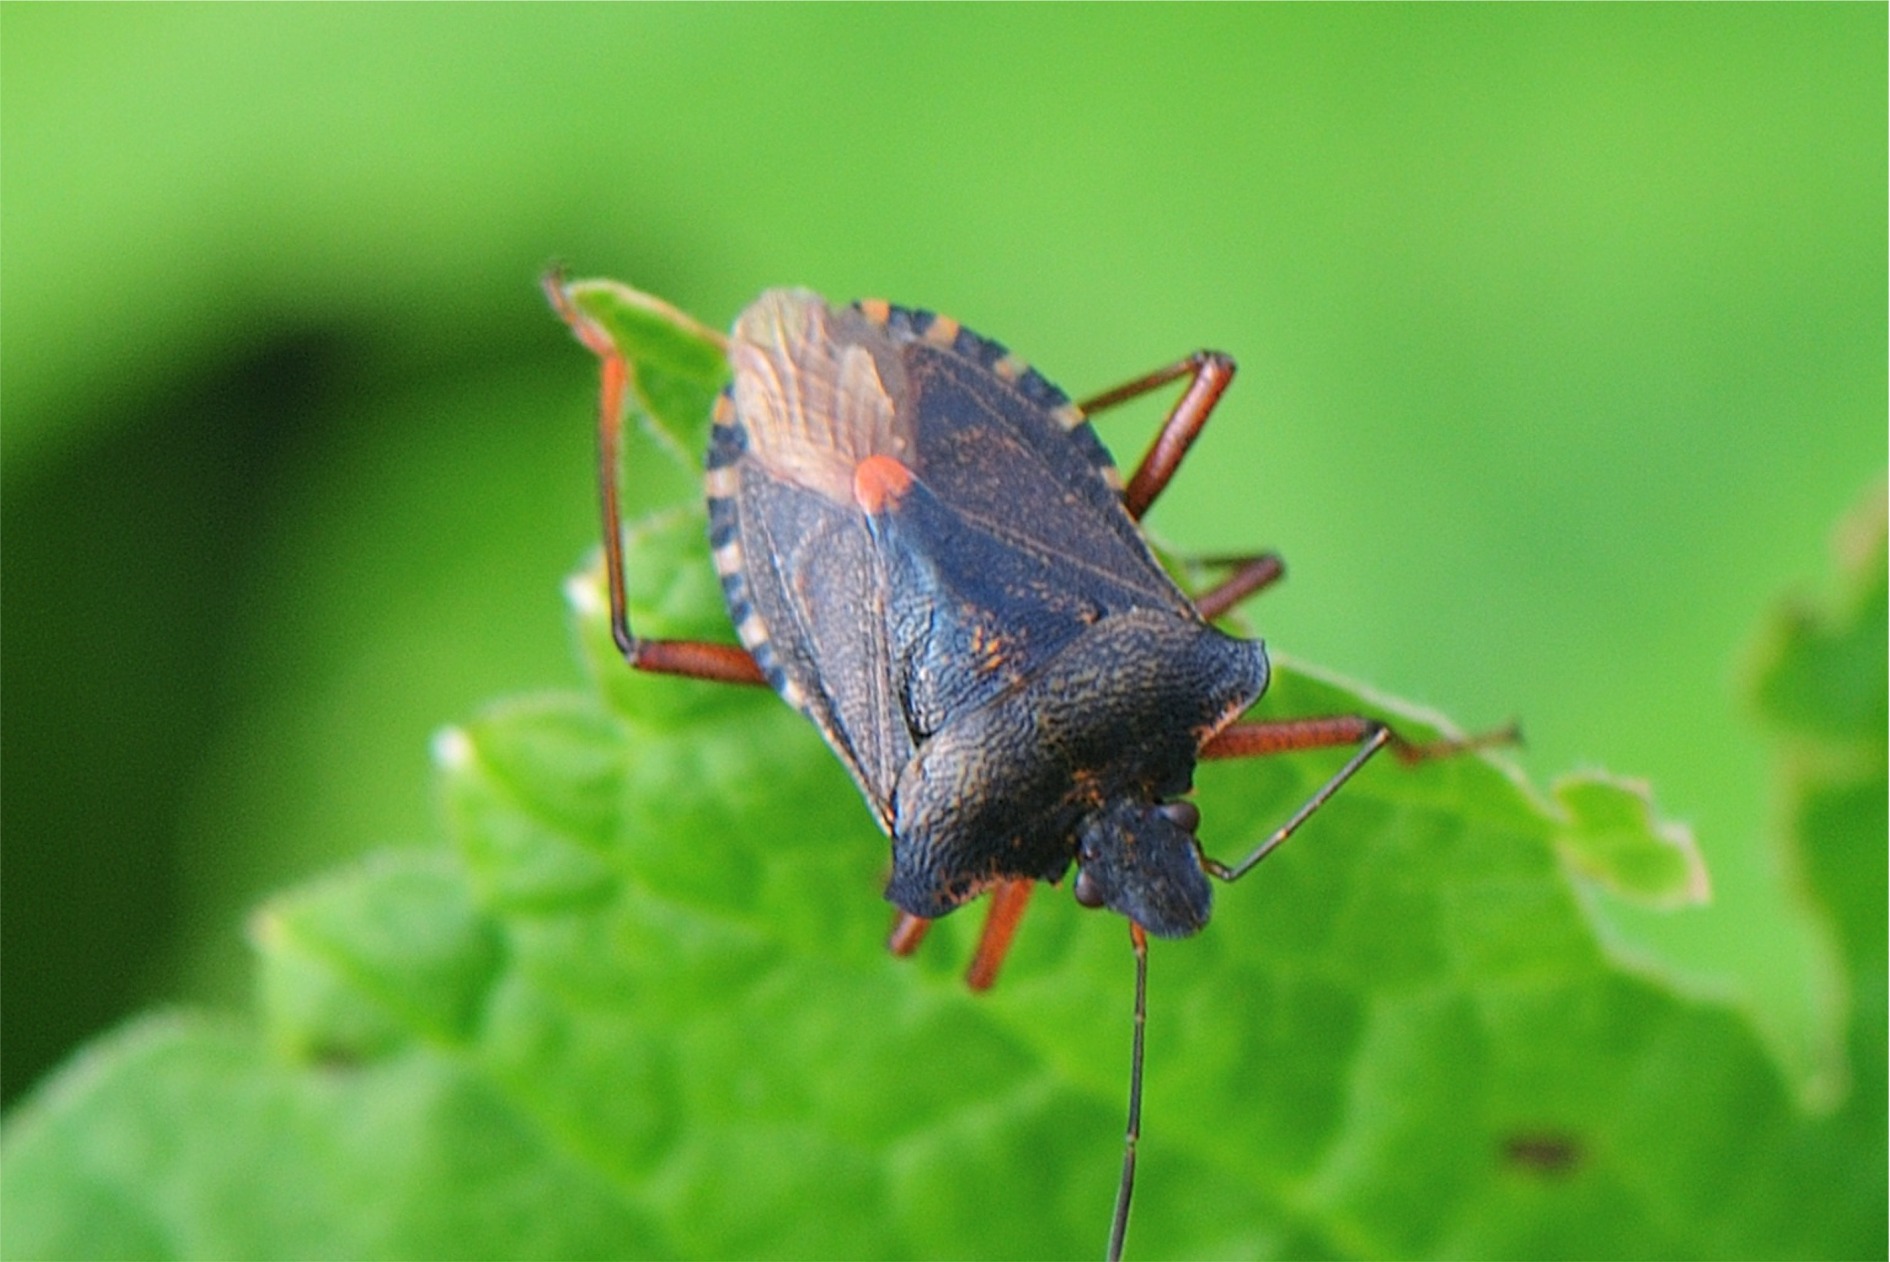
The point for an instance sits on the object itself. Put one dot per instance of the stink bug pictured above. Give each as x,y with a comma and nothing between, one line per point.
925,550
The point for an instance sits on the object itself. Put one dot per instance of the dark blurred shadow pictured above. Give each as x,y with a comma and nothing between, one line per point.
124,555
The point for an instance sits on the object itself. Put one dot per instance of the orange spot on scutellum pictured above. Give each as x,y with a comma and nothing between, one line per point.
879,481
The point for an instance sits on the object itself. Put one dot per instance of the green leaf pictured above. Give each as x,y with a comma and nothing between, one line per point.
183,1137
1614,837
367,961
1820,685
641,1007
1821,678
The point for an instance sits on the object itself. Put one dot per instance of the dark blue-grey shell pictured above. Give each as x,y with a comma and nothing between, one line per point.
923,545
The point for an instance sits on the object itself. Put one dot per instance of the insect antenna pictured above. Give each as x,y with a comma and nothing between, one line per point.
1279,736
1119,1226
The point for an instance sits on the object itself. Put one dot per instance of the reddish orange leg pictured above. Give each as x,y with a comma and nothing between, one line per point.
1254,740
908,932
1008,901
1251,575
1209,372
725,663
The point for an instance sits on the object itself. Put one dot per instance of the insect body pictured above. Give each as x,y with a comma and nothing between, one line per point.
926,550
927,554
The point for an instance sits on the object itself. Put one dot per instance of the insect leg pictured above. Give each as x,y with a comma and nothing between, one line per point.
1253,740
726,663
1008,901
907,933
1251,575
1119,1224
1210,371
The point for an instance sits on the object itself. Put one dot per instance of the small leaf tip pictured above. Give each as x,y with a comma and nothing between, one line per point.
1615,836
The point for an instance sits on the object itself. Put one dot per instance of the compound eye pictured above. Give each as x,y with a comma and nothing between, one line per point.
1185,814
1085,890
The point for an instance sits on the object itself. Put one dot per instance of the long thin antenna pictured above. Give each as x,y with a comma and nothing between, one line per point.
1119,1229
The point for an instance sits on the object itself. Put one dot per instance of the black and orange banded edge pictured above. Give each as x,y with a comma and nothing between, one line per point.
926,550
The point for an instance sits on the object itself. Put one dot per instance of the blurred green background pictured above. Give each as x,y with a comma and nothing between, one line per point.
1561,330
